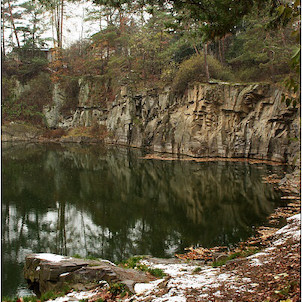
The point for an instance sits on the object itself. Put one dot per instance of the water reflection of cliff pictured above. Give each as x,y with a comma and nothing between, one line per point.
112,204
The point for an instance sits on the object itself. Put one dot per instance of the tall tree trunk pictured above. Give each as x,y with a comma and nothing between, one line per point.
206,66
219,50
58,26
283,36
13,23
53,28
223,50
61,25
33,35
2,28
195,48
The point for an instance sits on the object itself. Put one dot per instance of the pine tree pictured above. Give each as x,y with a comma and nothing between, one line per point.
34,25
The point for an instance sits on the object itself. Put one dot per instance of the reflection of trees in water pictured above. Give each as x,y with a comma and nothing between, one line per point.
86,200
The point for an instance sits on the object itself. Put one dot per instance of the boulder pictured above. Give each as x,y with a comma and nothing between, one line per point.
50,272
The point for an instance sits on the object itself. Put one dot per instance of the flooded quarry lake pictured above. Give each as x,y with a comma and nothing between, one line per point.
110,202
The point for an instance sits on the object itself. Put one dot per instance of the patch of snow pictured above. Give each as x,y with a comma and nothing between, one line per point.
107,261
140,288
172,269
223,277
217,294
256,255
297,218
297,235
279,242
246,280
208,278
284,230
82,295
255,262
50,257
64,274
270,249
76,296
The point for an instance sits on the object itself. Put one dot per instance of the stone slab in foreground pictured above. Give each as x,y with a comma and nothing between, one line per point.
49,272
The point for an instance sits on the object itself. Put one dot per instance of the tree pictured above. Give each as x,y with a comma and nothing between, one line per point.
215,18
258,52
10,15
56,9
35,26
290,13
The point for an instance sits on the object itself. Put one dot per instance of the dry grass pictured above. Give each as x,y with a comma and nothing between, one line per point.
95,131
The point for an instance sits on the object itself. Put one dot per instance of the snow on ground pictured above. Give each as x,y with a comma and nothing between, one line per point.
184,278
51,257
77,296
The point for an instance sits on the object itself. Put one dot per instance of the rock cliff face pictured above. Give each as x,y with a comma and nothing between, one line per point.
214,120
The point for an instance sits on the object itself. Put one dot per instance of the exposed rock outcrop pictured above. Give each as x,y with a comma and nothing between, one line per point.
52,112
49,272
213,120
209,120
18,131
219,120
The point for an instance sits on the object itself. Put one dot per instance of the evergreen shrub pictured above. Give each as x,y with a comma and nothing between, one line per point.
193,70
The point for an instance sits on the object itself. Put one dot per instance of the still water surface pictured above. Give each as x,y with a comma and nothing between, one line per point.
111,203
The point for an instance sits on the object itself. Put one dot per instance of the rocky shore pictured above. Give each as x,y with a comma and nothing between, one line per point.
272,274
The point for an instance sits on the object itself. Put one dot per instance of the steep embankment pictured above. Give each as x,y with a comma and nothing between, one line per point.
209,120
214,120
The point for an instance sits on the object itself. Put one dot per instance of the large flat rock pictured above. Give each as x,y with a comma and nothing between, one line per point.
50,272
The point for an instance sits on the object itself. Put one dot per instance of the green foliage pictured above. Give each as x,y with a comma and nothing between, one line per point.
70,85
118,289
27,103
219,263
197,270
32,68
30,299
134,263
156,272
29,68
49,296
9,299
8,85
285,290
235,255
257,53
164,48
193,70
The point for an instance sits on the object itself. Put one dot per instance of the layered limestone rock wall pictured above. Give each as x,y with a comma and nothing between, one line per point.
214,120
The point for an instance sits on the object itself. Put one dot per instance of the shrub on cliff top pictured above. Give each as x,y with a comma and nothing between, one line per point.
193,70
27,102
